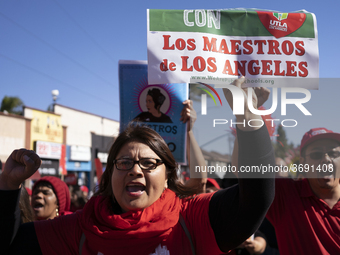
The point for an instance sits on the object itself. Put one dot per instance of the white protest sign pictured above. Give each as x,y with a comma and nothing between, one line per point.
269,48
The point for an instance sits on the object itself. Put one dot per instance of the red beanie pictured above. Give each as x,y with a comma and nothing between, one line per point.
61,190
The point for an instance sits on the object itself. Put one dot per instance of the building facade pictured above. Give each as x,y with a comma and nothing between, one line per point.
14,134
88,137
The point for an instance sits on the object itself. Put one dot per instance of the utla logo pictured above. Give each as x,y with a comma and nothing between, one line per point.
283,24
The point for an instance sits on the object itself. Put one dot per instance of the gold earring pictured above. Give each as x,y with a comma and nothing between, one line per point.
57,212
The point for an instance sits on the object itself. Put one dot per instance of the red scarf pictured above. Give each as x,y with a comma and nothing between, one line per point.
133,232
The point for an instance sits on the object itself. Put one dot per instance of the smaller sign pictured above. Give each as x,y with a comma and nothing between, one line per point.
48,150
102,156
49,167
80,153
158,106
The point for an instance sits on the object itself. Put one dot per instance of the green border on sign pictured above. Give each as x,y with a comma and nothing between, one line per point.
233,23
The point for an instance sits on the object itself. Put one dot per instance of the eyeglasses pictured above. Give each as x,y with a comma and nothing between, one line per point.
144,163
317,155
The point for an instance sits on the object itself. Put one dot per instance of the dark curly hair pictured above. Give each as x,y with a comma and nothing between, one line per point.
157,97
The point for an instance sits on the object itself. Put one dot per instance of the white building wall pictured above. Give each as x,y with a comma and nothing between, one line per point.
80,125
12,135
28,112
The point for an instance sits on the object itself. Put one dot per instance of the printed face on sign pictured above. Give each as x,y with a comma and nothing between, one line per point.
154,102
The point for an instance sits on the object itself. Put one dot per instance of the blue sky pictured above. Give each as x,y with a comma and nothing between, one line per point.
74,46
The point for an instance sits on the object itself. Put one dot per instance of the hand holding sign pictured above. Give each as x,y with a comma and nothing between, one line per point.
244,120
188,114
262,95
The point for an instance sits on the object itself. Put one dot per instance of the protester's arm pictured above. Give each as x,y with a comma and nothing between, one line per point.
262,95
194,153
9,216
234,156
26,241
237,212
16,238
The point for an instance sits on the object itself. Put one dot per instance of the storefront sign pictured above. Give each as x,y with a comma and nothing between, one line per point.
48,150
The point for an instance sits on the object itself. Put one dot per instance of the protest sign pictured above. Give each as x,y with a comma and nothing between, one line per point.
159,106
271,49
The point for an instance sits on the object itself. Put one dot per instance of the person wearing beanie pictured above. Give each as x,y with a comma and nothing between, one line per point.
50,198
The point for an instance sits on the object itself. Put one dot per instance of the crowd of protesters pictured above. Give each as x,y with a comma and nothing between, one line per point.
141,205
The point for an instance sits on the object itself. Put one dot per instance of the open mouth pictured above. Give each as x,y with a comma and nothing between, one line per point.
326,174
135,189
37,206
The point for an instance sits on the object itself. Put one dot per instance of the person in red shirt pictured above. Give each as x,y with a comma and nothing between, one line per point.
140,206
306,213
